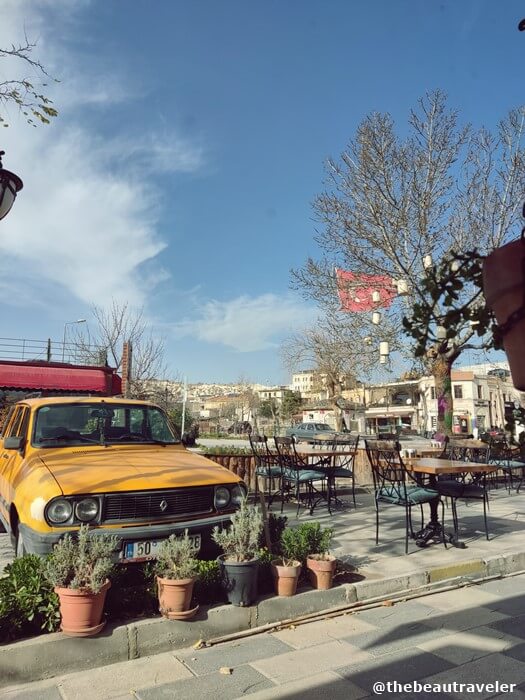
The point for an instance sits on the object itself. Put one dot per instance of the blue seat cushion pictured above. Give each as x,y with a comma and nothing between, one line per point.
414,495
513,464
302,475
268,471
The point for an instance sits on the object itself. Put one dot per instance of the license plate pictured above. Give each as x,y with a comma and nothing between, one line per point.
148,549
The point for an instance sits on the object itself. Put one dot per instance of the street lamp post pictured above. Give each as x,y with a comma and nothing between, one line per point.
10,185
69,323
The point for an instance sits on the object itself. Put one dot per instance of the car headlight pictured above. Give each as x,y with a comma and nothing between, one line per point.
238,494
59,511
86,509
222,497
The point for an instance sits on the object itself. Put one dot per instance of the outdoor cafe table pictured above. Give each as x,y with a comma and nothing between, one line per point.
434,467
326,461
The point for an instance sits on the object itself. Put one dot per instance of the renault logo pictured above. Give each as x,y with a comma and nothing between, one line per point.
163,505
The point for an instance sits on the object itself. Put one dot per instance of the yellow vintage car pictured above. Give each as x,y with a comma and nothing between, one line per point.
114,464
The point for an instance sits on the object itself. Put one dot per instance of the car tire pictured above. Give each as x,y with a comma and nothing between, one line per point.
20,549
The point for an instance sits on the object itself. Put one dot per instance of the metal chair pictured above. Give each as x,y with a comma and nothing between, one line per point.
266,466
502,455
394,485
465,485
297,472
345,468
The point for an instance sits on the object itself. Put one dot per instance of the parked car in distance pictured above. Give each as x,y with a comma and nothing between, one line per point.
240,428
310,431
114,464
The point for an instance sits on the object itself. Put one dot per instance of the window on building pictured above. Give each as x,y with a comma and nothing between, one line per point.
432,392
433,420
480,392
458,391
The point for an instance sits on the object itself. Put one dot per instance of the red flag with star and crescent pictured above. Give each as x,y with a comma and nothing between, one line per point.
356,290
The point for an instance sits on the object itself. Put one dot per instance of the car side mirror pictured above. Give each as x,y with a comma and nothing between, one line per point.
14,443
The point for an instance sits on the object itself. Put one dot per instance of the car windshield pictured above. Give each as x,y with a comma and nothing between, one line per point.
87,423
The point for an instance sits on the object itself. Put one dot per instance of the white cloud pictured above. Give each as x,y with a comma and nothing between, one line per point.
247,324
85,221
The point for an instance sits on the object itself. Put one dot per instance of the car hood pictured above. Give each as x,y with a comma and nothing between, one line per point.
102,470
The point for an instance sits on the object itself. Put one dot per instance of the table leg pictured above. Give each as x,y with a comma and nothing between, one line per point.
434,530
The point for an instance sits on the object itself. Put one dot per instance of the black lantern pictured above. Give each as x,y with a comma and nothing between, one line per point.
10,186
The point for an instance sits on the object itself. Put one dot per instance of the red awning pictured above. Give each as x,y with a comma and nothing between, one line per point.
48,377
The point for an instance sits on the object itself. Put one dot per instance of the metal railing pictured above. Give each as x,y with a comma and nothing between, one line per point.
26,350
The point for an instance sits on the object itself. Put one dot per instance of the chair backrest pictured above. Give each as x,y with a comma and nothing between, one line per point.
285,447
499,451
388,469
479,454
454,450
338,444
260,449
288,456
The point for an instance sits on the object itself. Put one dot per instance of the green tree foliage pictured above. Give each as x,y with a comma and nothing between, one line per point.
291,403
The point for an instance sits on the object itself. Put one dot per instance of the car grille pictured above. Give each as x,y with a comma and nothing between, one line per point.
158,505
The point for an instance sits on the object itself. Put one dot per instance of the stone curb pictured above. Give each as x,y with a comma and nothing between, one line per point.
50,655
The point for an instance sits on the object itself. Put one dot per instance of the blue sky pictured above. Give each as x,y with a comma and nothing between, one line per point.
190,144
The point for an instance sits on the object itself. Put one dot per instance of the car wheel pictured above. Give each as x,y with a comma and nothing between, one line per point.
20,545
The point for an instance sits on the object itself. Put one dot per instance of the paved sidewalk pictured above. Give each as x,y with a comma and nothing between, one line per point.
472,635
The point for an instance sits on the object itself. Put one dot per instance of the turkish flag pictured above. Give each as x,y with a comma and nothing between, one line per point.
356,289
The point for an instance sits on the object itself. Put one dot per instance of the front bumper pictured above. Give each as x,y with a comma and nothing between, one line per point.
42,543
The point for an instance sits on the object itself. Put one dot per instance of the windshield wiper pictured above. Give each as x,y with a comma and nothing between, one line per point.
68,438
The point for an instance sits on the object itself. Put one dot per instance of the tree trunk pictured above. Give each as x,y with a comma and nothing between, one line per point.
442,370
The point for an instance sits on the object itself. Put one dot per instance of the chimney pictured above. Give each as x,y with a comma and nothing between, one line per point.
127,354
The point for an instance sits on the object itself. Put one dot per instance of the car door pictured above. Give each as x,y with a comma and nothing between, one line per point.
10,460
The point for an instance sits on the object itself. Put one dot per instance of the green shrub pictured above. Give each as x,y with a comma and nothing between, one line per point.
82,562
28,603
240,540
276,525
309,538
225,450
265,582
208,587
133,592
176,558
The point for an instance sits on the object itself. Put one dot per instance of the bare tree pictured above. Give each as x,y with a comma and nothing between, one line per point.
116,325
332,354
22,91
391,202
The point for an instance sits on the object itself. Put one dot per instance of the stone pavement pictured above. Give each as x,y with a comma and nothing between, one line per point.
472,635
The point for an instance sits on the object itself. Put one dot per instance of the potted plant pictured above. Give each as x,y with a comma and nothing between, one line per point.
176,569
79,568
240,544
320,564
287,569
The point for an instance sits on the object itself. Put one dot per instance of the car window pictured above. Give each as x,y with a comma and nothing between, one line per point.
310,426
65,424
18,425
322,426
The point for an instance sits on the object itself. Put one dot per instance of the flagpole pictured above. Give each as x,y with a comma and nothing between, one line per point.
184,399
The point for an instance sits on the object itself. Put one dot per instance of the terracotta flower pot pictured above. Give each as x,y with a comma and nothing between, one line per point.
82,611
321,570
175,598
503,286
285,577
